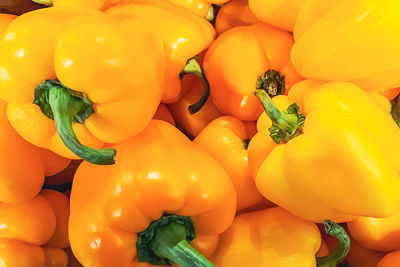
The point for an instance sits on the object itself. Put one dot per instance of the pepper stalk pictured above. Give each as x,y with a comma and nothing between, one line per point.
166,241
65,107
341,251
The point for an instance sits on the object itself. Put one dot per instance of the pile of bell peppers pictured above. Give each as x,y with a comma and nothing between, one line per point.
138,133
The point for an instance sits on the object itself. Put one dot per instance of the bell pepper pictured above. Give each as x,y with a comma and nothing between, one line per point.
161,189
281,13
183,35
89,109
337,158
225,139
200,7
246,58
390,260
274,237
192,124
23,166
360,256
349,41
232,14
381,234
164,114
34,232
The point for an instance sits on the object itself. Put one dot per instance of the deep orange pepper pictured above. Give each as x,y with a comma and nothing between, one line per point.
35,231
164,114
232,14
381,234
107,50
390,260
23,166
360,256
192,124
244,57
157,173
225,139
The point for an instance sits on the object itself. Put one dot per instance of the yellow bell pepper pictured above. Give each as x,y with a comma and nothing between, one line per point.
108,70
340,162
354,41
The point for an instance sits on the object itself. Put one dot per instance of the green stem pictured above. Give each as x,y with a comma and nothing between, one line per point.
286,124
166,241
341,251
193,67
44,2
210,14
246,143
65,107
395,111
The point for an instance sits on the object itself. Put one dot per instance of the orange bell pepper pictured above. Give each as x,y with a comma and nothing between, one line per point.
107,50
225,139
192,124
279,13
245,58
390,260
184,36
35,231
275,237
382,234
164,114
23,166
117,211
360,256
232,14
347,139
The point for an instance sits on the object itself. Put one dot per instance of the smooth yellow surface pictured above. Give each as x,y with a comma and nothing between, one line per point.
356,40
268,238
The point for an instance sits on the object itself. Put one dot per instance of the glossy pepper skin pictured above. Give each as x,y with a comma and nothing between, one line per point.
277,238
232,14
381,234
35,231
200,7
183,35
342,164
192,124
224,139
23,167
239,58
279,13
157,172
365,48
106,49
390,260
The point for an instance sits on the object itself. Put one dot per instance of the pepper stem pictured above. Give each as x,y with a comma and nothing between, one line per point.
341,251
395,111
44,2
65,107
286,124
193,67
272,82
166,241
